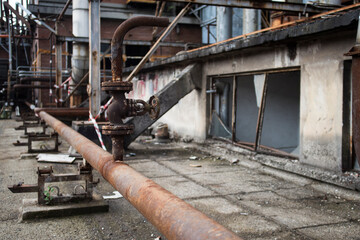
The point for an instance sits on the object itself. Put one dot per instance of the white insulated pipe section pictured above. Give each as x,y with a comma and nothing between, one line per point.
80,26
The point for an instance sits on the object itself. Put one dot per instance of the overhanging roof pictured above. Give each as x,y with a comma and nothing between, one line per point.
340,21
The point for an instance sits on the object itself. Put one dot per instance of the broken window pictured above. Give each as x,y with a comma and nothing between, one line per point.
266,113
221,116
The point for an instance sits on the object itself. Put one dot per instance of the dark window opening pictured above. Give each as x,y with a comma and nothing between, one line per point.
266,112
134,54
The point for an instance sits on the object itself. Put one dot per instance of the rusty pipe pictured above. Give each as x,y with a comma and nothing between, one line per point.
65,112
172,216
33,86
118,37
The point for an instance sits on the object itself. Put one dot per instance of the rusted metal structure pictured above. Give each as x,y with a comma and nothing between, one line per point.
46,176
121,107
169,214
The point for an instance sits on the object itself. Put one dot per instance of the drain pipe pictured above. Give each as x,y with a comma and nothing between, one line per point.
172,216
80,55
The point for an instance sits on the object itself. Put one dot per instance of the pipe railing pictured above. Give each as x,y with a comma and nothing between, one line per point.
173,217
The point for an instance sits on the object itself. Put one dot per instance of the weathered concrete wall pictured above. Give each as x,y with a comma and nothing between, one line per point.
322,101
186,119
321,97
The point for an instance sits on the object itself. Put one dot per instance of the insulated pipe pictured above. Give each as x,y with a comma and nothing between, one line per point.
80,28
224,23
118,37
172,216
250,20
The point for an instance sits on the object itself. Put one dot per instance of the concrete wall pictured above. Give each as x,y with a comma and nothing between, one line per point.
321,93
186,119
322,101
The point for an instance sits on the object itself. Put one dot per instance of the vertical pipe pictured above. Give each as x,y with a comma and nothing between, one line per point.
223,23
250,20
58,69
94,53
80,56
50,79
224,104
10,56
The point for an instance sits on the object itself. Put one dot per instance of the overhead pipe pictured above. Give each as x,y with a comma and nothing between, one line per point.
172,216
118,38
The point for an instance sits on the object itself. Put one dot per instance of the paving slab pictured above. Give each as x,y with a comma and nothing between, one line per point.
202,165
151,169
240,181
290,213
346,231
178,184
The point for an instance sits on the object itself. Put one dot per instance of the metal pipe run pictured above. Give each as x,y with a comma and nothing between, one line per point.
172,216
32,86
118,37
65,112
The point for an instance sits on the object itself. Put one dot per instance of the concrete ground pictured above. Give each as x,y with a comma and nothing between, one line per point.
254,201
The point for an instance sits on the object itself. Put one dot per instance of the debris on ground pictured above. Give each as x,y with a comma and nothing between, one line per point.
234,161
193,158
195,165
55,158
130,155
116,195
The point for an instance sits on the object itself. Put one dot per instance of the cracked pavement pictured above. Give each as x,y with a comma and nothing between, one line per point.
254,201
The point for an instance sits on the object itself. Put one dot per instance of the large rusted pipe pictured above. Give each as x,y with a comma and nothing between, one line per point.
118,37
172,216
65,112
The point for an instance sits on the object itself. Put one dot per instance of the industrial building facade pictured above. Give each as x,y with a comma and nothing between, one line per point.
286,91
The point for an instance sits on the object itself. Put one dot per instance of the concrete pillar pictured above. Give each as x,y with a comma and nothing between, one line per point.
223,23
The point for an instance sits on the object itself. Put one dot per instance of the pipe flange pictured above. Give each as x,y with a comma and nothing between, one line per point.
122,129
117,86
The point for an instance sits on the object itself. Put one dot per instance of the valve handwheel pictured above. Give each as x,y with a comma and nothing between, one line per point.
154,103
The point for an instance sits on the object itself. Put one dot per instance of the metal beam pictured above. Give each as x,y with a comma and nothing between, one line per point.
35,19
125,42
62,13
6,5
266,5
94,54
172,216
